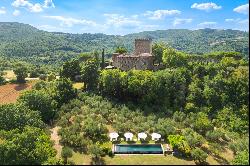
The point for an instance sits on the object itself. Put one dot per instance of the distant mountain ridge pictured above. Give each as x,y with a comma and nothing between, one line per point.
23,41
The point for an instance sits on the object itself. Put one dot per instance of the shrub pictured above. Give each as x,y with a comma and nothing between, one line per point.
199,155
43,77
66,153
241,158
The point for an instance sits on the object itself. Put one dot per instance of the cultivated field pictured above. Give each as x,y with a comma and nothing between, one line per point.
10,92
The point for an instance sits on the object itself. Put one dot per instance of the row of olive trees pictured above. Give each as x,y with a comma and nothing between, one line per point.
196,128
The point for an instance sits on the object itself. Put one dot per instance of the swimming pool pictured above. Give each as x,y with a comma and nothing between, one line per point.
138,149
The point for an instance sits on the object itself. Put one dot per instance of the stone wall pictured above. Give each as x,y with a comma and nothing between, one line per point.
134,62
143,46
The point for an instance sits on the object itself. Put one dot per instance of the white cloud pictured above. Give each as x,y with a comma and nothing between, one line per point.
207,24
237,21
2,10
206,6
243,9
36,8
48,4
178,21
245,21
50,28
118,20
229,20
21,3
68,21
160,14
120,24
16,13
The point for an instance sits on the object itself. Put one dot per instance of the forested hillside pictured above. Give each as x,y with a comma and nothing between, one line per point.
27,43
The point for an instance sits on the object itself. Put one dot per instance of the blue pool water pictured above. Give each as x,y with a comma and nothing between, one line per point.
138,149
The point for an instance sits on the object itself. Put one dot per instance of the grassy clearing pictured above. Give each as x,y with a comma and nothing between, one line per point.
78,85
146,160
9,74
225,158
81,159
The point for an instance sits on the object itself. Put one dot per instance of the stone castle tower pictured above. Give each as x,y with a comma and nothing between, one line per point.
143,46
141,59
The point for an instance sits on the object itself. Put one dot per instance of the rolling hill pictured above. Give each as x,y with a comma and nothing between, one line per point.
24,42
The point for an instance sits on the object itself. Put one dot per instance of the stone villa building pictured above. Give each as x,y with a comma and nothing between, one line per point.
141,59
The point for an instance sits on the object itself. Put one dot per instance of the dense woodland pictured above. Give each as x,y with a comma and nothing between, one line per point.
198,103
24,42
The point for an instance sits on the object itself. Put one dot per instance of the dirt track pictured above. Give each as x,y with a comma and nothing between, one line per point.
56,138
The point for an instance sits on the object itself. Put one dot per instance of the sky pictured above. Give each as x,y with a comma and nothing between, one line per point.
120,17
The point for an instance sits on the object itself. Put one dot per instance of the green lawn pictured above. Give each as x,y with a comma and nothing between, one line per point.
81,159
146,160
78,85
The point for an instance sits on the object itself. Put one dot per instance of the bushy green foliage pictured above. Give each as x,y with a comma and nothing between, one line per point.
43,77
165,126
70,69
17,116
71,136
157,51
83,57
62,91
193,139
40,85
51,77
179,143
2,80
145,86
240,144
241,158
95,151
174,140
214,135
121,50
30,146
36,72
66,153
179,116
21,72
199,155
215,148
199,122
92,130
107,151
53,161
173,58
90,73
39,101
